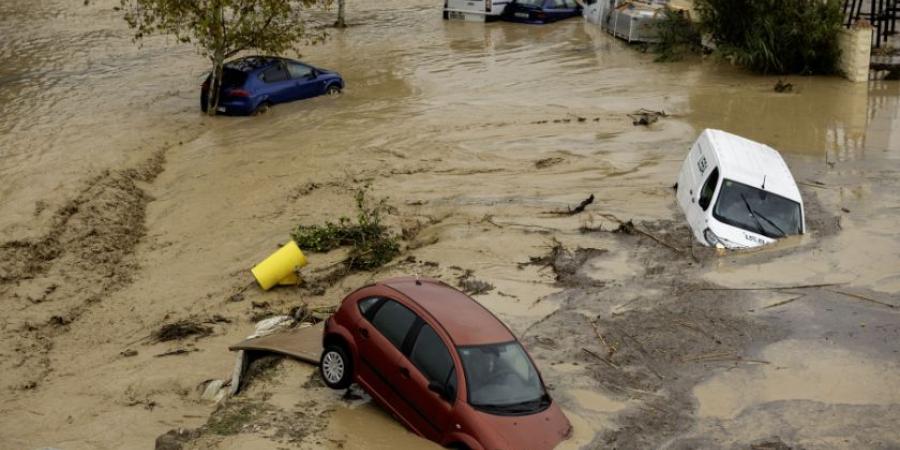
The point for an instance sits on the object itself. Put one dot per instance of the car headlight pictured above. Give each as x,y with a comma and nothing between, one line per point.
713,240
710,237
718,242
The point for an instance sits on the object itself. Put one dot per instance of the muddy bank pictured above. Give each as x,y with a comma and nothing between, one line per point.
85,256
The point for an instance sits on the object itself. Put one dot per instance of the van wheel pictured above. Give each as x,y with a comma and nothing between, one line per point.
336,367
262,108
333,90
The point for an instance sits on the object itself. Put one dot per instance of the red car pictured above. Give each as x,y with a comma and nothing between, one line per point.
443,365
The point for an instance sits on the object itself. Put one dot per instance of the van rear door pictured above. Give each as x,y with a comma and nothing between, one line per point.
468,10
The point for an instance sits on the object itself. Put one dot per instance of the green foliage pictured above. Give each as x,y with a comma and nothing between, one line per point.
372,244
678,37
221,29
775,36
232,417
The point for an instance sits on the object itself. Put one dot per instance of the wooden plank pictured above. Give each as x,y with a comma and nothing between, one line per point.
304,344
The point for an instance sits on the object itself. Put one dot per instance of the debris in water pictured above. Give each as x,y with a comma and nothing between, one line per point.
177,351
547,162
472,286
576,210
782,87
646,117
774,443
175,439
566,264
180,330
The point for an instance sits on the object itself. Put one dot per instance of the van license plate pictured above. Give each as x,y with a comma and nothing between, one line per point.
456,15
521,15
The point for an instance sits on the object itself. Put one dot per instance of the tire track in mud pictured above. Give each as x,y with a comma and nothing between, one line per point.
47,283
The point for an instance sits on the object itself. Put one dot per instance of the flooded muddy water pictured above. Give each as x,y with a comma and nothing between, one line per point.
477,133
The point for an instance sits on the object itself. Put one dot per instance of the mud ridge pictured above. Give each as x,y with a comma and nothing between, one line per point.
85,255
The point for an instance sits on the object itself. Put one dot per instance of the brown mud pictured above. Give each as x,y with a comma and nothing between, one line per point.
123,212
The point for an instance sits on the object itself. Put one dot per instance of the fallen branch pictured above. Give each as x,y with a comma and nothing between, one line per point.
630,227
595,355
576,210
178,351
770,288
610,350
861,297
784,302
721,357
696,328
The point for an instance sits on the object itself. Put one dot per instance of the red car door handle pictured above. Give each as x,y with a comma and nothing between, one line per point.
363,332
404,372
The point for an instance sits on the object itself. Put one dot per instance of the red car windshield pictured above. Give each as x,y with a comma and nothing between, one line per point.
501,379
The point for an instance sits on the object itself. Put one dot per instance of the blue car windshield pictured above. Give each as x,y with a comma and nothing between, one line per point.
502,377
757,210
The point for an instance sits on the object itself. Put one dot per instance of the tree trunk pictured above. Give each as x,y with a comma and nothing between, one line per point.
218,58
215,83
341,23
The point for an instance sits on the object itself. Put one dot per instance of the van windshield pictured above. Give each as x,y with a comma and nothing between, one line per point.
501,379
758,211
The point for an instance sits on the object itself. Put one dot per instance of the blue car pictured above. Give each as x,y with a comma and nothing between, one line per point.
252,84
541,11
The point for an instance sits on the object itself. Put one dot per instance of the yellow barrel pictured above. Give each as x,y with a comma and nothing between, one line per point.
279,266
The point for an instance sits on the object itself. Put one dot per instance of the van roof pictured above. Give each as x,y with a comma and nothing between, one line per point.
749,162
465,320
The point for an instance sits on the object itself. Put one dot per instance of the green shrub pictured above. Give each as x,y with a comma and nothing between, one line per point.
678,37
372,244
775,36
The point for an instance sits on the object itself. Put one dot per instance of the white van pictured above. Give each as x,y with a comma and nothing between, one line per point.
737,193
474,10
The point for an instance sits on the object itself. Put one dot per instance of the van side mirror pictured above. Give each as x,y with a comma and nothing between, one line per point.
439,389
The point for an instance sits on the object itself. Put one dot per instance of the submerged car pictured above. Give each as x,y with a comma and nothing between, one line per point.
737,193
252,84
541,11
442,364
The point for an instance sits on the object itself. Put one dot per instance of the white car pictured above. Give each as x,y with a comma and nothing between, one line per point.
737,193
474,10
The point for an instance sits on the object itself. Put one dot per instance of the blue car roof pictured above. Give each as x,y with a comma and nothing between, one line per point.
251,63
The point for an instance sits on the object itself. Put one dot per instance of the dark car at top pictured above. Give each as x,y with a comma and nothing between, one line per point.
252,84
541,11
444,365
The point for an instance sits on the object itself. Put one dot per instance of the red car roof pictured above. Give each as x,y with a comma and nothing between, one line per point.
465,320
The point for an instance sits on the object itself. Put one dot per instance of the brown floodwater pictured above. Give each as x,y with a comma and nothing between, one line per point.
447,120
